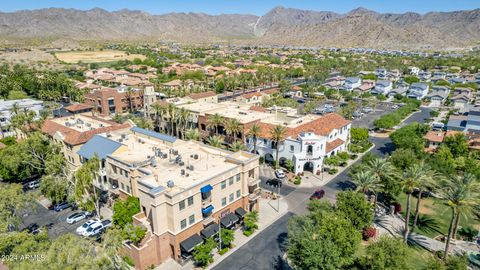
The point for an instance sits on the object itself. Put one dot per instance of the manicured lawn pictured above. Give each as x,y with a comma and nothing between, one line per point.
436,216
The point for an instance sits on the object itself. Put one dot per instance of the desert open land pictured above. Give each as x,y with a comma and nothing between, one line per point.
95,56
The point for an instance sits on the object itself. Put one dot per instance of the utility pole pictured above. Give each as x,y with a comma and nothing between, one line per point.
278,197
220,233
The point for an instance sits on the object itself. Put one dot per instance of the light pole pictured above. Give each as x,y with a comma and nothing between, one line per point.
278,197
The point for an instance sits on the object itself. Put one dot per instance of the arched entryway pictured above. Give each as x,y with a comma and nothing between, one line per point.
269,158
308,167
282,162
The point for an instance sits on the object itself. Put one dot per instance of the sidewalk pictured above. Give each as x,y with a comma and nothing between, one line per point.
393,225
267,215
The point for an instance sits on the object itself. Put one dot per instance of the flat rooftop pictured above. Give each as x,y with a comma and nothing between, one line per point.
186,163
81,123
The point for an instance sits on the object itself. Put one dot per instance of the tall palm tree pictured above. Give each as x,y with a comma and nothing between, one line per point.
157,109
215,141
461,194
129,94
365,182
233,127
277,135
412,179
237,146
428,182
254,131
214,122
172,117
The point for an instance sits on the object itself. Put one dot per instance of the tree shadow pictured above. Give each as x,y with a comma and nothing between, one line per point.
282,240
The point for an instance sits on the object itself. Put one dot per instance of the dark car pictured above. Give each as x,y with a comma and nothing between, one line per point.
318,194
62,206
274,182
33,228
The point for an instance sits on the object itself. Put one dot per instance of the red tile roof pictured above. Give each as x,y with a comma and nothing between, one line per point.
250,95
321,126
434,136
74,137
333,144
257,109
202,95
270,91
78,107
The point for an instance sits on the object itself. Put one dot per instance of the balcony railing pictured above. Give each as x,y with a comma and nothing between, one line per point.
254,195
253,181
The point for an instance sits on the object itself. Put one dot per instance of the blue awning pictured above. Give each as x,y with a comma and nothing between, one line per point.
207,209
206,189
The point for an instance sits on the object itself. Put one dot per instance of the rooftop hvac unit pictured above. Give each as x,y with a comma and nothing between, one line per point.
170,184
195,156
153,162
120,140
181,163
109,135
124,136
182,172
67,124
190,167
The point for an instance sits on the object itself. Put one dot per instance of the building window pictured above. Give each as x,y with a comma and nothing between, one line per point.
123,186
183,224
223,184
292,148
181,205
251,173
230,181
128,189
238,177
191,219
190,201
224,201
231,197
238,194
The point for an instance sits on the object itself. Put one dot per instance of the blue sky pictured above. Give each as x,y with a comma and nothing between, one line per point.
258,7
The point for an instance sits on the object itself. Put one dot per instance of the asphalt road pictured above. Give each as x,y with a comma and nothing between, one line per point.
266,249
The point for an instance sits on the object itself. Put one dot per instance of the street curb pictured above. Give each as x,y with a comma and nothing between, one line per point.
231,251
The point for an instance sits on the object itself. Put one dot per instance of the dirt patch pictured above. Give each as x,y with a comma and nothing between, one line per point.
96,56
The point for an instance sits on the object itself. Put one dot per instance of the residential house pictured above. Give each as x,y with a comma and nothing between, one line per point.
352,83
413,70
461,97
382,87
438,96
418,90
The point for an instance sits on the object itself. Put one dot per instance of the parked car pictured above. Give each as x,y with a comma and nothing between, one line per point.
93,229
62,206
80,230
274,182
279,173
33,228
318,194
74,218
367,110
34,184
107,223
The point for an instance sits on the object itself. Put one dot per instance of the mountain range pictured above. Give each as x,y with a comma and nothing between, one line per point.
280,26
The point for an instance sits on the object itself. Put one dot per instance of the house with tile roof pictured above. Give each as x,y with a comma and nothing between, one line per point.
74,131
250,98
308,141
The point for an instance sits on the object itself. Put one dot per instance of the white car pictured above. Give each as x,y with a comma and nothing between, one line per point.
74,218
34,184
279,173
81,230
93,229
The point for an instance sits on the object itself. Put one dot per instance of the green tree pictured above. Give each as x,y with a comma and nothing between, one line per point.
134,233
227,236
12,201
250,221
237,146
215,141
277,135
214,122
321,240
123,211
202,254
403,158
386,253
457,144
355,208
85,190
233,127
410,136
386,174
255,131
359,134
193,134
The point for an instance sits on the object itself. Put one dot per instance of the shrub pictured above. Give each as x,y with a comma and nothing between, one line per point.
343,156
368,233
247,232
261,160
223,251
332,171
468,233
128,260
297,181
354,156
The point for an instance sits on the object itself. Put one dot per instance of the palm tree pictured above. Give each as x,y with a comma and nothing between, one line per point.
254,131
427,183
183,120
382,170
412,179
365,182
237,146
172,117
461,194
233,127
129,93
158,110
214,121
277,135
192,134
215,141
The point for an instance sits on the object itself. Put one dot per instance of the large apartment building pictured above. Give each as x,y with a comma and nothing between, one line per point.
108,101
186,188
73,131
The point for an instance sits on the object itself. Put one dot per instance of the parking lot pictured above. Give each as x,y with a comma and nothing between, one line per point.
366,120
54,222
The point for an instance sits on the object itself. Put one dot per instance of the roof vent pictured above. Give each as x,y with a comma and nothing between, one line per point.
170,184
195,156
